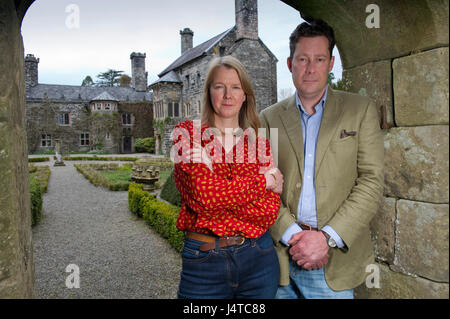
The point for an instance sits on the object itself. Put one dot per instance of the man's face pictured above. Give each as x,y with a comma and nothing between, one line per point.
310,66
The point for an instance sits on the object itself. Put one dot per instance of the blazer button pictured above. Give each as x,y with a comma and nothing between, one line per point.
298,185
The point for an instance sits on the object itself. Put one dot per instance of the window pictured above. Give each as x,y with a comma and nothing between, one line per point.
126,119
108,136
63,119
84,139
187,82
169,109
176,111
98,105
107,106
46,140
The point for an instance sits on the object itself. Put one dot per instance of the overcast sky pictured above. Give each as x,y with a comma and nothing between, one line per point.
107,31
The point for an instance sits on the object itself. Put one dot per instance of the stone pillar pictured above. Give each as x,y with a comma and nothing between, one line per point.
138,74
16,250
187,38
246,15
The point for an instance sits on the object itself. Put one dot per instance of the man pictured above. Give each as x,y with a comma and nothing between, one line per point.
331,155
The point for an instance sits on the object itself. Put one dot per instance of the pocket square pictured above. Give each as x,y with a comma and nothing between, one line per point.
344,133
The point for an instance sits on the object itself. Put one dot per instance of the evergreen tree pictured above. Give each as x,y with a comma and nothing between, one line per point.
109,78
87,81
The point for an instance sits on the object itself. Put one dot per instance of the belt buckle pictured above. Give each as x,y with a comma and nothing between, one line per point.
242,241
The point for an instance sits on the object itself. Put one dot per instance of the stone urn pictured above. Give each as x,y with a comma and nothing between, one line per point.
144,172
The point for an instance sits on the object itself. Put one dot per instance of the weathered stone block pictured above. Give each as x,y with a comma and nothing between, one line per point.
394,285
383,230
421,88
373,80
416,163
422,239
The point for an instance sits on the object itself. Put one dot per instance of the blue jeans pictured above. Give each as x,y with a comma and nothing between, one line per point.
250,270
309,284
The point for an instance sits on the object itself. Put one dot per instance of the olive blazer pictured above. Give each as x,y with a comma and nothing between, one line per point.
348,179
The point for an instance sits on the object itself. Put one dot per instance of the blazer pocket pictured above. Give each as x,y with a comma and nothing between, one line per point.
345,139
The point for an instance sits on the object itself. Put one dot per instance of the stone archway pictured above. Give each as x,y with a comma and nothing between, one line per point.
403,65
16,252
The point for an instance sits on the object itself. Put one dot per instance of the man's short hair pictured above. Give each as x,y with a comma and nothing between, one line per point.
312,28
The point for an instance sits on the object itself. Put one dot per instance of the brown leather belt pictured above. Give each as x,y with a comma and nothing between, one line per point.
210,241
306,226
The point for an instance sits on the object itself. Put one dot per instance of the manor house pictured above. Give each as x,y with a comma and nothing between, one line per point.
177,93
83,118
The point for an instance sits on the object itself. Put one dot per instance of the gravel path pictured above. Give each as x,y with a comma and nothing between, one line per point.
117,254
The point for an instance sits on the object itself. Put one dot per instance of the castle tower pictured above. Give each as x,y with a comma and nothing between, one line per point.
246,19
138,74
187,36
31,71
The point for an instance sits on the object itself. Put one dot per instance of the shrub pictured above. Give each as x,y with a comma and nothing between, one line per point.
169,191
159,215
38,159
36,200
145,145
38,178
98,158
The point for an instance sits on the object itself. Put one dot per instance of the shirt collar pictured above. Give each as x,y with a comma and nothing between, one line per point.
321,102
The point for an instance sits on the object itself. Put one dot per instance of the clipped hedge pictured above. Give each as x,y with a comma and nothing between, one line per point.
90,171
159,215
38,159
99,158
36,200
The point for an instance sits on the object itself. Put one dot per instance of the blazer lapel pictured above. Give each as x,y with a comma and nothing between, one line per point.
328,128
293,127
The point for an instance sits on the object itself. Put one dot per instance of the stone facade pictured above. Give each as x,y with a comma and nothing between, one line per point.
87,118
403,66
182,82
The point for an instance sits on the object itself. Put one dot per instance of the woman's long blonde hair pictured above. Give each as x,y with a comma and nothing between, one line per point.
248,117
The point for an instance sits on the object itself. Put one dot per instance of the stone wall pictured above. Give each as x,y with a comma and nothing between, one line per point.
262,71
403,66
16,250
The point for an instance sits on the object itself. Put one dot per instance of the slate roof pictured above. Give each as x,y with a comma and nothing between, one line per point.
195,52
56,92
172,76
104,96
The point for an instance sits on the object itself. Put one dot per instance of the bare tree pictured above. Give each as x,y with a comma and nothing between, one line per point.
285,93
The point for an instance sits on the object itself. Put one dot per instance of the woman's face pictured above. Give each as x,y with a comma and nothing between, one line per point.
226,93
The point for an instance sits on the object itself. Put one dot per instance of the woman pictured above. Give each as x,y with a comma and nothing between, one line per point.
230,192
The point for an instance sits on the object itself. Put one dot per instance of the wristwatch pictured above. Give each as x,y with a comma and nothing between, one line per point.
330,241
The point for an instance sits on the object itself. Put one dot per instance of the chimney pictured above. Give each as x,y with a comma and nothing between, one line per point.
246,19
187,36
138,74
31,71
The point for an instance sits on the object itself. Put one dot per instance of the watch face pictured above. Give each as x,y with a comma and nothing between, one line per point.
331,243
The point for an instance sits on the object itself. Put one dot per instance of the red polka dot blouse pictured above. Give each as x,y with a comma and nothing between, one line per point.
231,199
